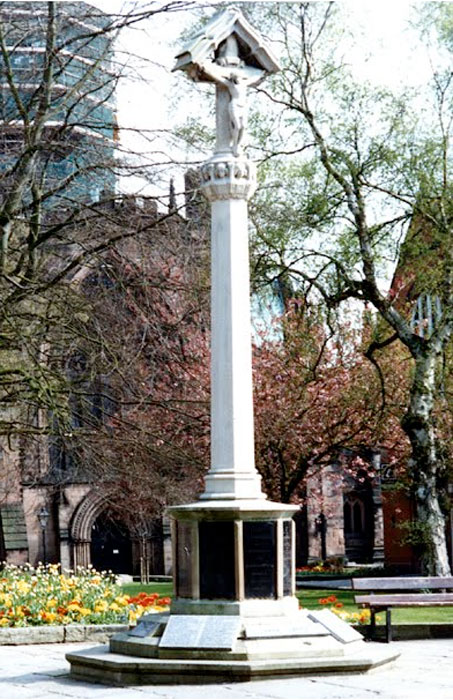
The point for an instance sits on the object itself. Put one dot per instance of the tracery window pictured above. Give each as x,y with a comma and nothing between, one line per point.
354,514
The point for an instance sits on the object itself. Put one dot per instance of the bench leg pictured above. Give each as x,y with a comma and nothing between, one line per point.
388,625
372,623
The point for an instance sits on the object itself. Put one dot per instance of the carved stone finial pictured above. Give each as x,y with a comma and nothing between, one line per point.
172,197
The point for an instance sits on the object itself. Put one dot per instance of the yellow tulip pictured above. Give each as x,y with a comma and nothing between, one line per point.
48,616
23,586
122,600
133,615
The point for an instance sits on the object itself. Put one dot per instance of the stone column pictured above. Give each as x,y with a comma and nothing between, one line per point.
81,553
228,182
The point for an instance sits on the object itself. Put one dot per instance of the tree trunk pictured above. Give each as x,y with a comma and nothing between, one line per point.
426,468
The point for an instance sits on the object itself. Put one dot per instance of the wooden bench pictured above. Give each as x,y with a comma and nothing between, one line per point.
380,599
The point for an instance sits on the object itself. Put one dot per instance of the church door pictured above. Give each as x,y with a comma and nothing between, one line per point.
111,546
358,526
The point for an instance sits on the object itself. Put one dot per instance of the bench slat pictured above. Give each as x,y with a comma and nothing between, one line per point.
387,601
401,583
406,600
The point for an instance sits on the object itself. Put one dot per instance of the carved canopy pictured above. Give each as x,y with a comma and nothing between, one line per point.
204,46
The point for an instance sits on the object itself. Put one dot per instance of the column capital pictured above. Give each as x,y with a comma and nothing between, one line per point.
227,177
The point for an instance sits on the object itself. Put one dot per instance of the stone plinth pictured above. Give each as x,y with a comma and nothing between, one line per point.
100,664
234,615
232,552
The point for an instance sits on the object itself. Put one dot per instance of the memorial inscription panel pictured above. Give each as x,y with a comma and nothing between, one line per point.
259,559
217,577
338,628
287,557
184,555
201,632
144,629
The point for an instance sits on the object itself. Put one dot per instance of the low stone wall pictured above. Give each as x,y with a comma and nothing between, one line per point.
59,633
52,634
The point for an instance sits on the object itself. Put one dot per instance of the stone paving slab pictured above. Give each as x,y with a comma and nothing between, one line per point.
424,670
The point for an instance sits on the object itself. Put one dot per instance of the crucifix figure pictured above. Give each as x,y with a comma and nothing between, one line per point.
230,71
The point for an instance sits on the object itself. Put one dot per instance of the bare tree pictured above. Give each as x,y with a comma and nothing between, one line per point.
363,167
58,173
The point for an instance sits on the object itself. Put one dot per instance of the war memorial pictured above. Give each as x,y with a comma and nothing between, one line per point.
234,615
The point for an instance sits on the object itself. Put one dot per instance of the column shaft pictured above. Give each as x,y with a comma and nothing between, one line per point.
232,474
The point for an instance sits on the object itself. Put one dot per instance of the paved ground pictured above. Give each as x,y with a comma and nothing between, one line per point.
424,670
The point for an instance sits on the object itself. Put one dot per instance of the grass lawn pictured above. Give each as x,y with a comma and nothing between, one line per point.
309,598
163,589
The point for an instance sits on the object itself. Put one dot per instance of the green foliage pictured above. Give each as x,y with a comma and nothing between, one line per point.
195,135
434,20
415,533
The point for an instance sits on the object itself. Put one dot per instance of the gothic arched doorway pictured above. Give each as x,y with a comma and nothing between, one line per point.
359,525
111,546
99,537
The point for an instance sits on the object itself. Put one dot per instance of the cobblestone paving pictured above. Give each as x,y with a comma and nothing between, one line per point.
424,670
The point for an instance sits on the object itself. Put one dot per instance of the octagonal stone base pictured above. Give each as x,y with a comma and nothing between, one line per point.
99,665
212,648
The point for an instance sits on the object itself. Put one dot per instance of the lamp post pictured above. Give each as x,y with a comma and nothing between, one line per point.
43,517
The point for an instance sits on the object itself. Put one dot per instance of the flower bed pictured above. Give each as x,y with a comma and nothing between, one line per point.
354,618
45,595
333,568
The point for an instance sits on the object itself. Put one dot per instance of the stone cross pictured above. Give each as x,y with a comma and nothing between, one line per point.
229,72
